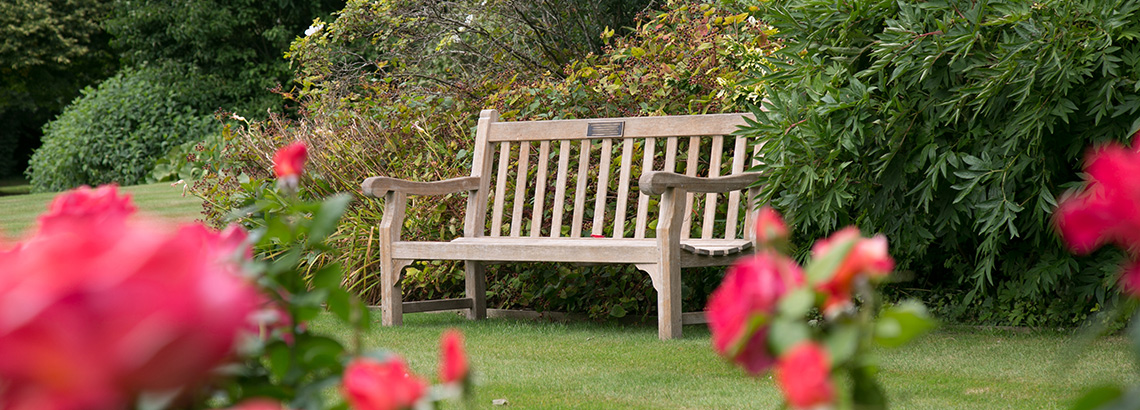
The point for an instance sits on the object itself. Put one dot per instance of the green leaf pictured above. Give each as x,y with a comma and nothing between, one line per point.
785,333
319,352
797,303
328,277
280,359
866,391
617,311
901,323
1097,397
821,269
842,342
325,221
340,304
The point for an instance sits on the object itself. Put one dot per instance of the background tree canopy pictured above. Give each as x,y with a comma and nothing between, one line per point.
49,50
952,127
216,54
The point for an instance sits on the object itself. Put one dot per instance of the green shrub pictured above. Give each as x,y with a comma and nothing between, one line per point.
951,127
114,133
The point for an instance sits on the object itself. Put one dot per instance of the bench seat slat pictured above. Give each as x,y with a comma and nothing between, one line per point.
540,189
603,186
710,198
560,189
586,250
500,189
738,158
649,147
623,188
520,188
690,170
580,190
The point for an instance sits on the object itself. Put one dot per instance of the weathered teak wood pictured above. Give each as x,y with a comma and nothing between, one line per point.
671,227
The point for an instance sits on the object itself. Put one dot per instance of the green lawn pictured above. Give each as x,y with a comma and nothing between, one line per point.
159,200
598,366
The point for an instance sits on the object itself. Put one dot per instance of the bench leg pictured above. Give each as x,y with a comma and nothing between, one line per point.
669,303
391,292
669,264
475,278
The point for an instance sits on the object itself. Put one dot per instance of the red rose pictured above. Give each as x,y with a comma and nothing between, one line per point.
739,308
868,257
289,163
804,376
453,366
372,385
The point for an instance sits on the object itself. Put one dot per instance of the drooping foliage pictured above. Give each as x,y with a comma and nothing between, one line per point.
951,126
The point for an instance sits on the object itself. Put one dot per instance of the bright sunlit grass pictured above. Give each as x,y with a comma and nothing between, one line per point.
598,366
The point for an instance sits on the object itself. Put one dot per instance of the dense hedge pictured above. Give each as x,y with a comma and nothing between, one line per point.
114,133
952,127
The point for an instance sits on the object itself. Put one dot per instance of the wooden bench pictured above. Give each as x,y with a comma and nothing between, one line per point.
592,168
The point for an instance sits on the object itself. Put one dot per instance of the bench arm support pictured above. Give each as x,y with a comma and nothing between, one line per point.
656,182
379,186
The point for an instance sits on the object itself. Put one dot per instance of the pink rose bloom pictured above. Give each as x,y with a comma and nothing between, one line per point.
289,163
868,257
1108,209
95,308
749,293
372,385
453,366
770,226
86,205
804,376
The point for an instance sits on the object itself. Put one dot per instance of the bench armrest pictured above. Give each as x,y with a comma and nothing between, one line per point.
656,182
379,186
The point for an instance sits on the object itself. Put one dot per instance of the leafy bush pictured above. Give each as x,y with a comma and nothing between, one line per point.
115,132
951,127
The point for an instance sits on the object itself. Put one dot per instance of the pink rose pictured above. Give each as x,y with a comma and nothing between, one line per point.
453,366
372,385
804,376
1108,209
94,308
740,307
770,226
84,204
868,257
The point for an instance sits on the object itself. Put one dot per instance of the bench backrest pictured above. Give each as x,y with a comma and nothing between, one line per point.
578,178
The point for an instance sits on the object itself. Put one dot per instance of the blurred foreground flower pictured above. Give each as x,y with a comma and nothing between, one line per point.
289,163
859,258
453,367
95,309
372,385
804,375
1107,210
741,308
